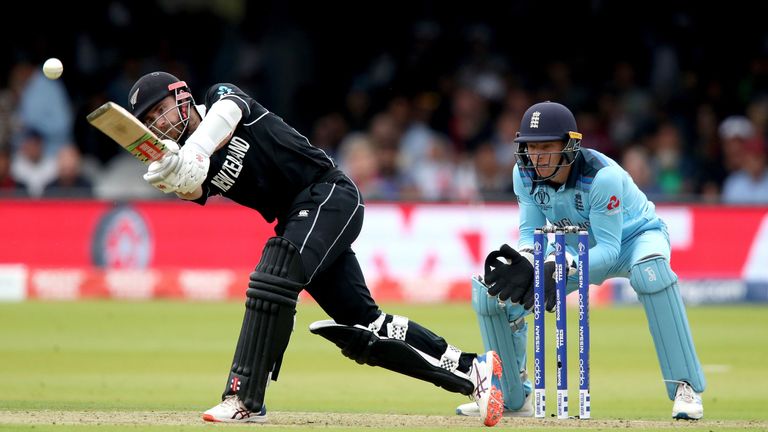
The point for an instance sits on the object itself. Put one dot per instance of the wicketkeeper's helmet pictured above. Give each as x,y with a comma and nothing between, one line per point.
548,121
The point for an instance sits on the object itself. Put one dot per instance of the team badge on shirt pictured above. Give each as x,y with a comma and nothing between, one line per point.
578,202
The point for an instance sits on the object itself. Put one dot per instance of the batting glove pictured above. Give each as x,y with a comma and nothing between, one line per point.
160,173
180,170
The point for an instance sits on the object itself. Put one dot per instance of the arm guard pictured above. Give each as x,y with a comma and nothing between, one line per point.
219,122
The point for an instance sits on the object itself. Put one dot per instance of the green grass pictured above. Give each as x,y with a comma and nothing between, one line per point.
175,356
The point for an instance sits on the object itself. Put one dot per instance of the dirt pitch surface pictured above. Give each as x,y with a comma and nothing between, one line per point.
321,420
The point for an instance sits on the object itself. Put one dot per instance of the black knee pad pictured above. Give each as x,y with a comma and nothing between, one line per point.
268,322
279,271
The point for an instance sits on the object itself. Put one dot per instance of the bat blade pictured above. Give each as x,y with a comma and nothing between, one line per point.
126,130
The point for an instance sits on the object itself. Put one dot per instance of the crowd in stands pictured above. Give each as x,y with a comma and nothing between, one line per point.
430,119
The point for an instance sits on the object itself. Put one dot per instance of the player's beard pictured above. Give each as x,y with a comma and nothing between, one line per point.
175,127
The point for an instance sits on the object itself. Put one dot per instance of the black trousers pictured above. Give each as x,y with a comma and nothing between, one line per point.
323,221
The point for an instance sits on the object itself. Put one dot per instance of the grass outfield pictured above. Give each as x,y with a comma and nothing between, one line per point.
61,361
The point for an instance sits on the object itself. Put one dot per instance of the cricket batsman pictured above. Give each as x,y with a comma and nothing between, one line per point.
234,147
558,182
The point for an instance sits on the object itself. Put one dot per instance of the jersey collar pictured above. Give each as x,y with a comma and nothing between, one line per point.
201,110
576,167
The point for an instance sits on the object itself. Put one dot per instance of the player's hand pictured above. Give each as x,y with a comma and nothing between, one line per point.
161,173
180,170
192,169
511,280
550,286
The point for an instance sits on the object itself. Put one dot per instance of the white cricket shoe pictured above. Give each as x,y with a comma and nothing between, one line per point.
688,405
232,410
471,409
486,377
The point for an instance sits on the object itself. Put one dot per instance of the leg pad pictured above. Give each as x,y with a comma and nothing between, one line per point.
268,322
656,286
503,330
365,346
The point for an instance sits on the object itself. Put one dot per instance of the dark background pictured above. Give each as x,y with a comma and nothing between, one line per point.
720,42
307,61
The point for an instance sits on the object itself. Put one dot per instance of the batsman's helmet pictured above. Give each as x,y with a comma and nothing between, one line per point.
152,88
548,121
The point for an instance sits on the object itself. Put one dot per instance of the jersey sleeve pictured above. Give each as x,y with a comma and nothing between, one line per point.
606,218
531,216
221,91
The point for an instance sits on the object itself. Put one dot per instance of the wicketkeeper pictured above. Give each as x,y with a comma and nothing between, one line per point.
558,182
234,147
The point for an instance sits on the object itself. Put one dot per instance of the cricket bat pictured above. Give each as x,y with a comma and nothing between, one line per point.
125,129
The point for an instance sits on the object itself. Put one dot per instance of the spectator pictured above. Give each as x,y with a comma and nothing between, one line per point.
8,185
707,144
328,131
418,139
734,131
674,172
70,183
385,135
749,185
637,163
470,123
44,106
436,177
492,179
30,165
358,159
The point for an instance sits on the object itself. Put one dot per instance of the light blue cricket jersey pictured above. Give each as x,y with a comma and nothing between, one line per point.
598,195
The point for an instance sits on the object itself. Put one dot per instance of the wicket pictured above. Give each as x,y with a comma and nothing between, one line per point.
561,336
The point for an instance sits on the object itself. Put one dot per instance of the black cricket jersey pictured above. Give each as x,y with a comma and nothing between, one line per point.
270,167
266,162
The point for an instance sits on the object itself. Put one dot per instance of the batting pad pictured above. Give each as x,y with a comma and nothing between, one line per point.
366,347
270,307
656,286
498,335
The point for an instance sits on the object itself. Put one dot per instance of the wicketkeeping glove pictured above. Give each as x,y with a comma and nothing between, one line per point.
512,280
550,287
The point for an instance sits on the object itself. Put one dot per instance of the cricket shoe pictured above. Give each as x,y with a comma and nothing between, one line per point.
486,378
471,409
232,410
688,405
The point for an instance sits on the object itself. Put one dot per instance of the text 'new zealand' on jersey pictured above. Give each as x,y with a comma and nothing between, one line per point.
266,162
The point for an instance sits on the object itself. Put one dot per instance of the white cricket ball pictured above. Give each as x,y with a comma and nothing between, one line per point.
52,68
